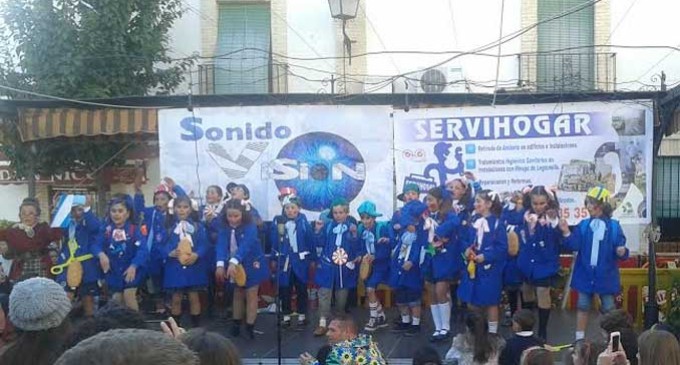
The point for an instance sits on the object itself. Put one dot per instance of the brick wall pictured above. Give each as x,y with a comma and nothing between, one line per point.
356,30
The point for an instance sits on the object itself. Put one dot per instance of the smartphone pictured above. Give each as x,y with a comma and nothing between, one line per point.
615,340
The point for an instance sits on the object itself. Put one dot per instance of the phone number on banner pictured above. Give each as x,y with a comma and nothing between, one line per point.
574,212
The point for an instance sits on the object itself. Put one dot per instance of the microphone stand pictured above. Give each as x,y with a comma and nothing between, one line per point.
281,228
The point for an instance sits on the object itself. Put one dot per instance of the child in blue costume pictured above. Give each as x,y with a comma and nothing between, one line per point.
339,260
294,253
375,243
409,193
153,220
189,276
483,281
539,254
241,192
84,228
599,243
513,218
238,244
463,190
207,214
122,252
444,264
405,275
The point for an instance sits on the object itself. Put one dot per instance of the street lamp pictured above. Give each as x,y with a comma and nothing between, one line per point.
344,10
653,233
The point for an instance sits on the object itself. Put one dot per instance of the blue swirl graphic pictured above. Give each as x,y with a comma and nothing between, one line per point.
317,154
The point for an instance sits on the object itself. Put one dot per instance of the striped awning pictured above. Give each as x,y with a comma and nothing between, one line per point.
42,123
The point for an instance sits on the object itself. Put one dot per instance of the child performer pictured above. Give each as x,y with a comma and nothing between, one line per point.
483,280
84,230
338,262
599,242
409,193
375,241
241,192
445,264
238,244
207,214
153,219
513,218
539,255
405,276
214,204
122,252
294,252
185,258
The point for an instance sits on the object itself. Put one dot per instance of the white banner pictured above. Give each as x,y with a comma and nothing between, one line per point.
324,152
572,146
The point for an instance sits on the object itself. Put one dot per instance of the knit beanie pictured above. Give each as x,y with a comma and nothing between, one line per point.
38,304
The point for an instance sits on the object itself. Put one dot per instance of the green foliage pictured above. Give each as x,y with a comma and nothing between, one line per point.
84,49
673,317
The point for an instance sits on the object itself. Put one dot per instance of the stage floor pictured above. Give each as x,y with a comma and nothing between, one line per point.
394,346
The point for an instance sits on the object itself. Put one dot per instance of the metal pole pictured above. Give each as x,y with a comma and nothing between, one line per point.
651,307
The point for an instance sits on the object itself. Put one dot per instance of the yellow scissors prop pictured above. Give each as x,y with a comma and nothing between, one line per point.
72,248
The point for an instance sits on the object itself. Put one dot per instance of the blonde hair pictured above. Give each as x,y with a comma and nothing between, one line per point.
658,347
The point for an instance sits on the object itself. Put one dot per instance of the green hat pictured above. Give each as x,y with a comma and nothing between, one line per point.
339,201
368,208
408,187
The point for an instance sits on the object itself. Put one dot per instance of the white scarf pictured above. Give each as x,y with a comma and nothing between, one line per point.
599,227
482,226
184,230
338,231
407,240
369,239
292,235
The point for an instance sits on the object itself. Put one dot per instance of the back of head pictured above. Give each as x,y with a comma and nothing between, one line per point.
211,348
122,316
658,347
616,320
536,356
38,304
129,346
427,355
347,324
524,319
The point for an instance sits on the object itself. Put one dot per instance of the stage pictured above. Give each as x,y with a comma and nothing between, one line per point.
397,348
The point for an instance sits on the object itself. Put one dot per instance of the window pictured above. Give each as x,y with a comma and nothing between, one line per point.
667,196
243,26
570,70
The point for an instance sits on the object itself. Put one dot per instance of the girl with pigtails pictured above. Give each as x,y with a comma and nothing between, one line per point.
539,255
482,282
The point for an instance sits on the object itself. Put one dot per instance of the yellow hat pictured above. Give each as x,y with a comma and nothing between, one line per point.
599,193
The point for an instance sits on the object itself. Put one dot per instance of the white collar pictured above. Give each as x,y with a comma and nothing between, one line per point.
525,333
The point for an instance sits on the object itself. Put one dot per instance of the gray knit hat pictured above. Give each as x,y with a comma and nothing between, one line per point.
38,304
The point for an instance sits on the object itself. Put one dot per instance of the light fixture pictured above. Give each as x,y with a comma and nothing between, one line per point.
344,9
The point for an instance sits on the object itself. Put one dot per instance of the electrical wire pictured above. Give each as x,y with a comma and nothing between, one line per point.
498,60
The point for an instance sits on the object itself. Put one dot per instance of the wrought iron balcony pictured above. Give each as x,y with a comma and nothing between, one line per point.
567,72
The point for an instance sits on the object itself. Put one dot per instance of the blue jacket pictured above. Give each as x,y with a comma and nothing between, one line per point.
249,252
122,254
602,278
328,273
513,220
86,232
178,276
447,262
305,243
485,289
539,254
368,244
411,279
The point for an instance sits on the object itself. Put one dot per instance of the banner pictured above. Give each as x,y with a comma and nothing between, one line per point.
573,146
324,152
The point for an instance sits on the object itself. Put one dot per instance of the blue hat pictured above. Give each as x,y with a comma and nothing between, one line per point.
368,208
408,187
411,212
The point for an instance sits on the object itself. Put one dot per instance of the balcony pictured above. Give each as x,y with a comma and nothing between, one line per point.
567,72
270,78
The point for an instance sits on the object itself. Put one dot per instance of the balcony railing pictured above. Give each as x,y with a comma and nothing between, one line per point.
274,81
568,72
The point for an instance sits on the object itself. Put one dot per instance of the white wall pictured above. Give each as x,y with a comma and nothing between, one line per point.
11,197
185,40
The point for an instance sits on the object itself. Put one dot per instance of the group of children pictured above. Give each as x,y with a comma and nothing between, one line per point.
461,243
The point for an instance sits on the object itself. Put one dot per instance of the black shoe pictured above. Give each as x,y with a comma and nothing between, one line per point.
435,336
235,329
250,331
444,335
401,327
413,330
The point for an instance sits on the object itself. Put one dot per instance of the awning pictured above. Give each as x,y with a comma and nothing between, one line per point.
43,123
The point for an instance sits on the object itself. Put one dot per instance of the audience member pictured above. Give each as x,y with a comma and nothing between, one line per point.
38,308
112,316
658,348
427,355
522,324
348,347
476,345
584,353
620,321
536,355
129,346
211,348
323,353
